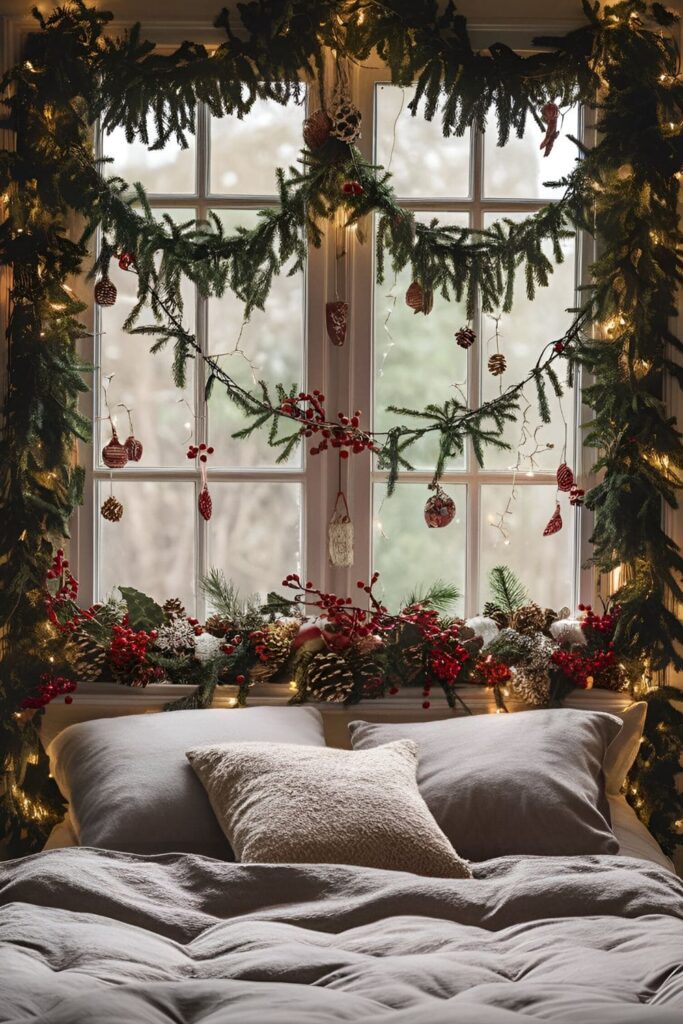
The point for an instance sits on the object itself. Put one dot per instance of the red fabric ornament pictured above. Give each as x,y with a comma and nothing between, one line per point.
576,496
114,454
439,509
352,188
565,478
126,259
105,292
419,299
550,113
336,321
554,523
204,504
133,448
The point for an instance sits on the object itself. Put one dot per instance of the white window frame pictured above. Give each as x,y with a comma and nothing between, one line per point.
344,374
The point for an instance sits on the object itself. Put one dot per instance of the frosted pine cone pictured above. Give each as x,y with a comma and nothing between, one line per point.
329,678
530,618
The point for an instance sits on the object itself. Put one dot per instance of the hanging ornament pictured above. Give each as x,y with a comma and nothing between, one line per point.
439,508
497,364
550,113
554,523
576,496
419,299
336,321
126,259
465,337
340,533
105,291
114,454
352,188
133,448
317,129
112,509
565,478
204,503
346,120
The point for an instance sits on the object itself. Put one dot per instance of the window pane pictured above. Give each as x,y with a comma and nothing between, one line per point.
518,169
169,170
523,333
422,162
544,564
406,553
269,347
161,413
244,154
152,546
416,358
255,533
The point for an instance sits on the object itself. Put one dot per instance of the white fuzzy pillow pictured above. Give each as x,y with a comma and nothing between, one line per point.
281,803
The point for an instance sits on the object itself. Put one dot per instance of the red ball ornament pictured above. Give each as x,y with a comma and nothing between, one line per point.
439,509
558,347
133,448
419,299
114,454
565,478
126,259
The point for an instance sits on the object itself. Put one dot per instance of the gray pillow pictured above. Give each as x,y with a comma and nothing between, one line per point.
129,785
284,804
524,783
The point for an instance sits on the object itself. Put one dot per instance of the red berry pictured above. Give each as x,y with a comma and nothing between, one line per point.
425,704
240,680
343,455
68,699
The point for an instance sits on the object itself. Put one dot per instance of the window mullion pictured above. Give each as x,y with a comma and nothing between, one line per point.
202,329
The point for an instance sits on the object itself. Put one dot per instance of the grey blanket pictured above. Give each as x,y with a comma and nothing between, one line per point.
91,937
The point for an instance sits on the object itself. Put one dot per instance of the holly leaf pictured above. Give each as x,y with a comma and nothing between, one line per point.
143,611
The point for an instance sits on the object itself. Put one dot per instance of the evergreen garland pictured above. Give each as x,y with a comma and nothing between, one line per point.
624,190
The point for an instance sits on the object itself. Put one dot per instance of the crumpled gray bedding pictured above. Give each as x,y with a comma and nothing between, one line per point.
93,937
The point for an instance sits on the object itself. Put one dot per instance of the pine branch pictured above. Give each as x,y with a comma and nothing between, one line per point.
507,590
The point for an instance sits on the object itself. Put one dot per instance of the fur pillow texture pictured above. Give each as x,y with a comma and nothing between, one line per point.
529,783
287,804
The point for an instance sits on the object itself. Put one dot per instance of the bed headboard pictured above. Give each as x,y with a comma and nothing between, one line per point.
108,700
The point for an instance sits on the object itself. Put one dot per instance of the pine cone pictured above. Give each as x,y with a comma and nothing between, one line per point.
86,656
218,625
367,672
492,611
276,644
530,685
530,618
550,617
173,608
329,678
613,679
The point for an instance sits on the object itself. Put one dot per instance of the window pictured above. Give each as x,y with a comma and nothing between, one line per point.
268,519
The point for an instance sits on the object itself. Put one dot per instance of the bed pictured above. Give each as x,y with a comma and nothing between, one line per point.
100,935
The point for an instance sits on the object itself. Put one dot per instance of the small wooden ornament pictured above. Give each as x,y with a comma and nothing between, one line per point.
346,121
204,503
317,129
340,534
112,509
497,364
439,509
105,292
133,448
337,321
114,454
419,299
465,337
554,523
565,478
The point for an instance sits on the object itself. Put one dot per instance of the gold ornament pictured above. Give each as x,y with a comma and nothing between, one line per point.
112,509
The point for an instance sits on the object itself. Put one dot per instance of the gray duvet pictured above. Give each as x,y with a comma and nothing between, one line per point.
91,937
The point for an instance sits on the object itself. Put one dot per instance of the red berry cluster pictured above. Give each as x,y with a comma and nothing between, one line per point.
345,434
258,640
60,606
126,259
583,669
51,686
232,645
492,671
129,647
346,620
352,188
446,655
604,624
558,347
201,450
